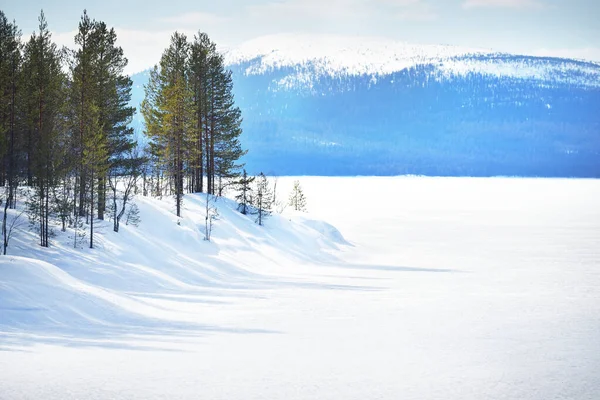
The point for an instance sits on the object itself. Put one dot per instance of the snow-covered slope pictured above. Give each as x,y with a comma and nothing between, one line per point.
70,290
312,56
453,288
339,55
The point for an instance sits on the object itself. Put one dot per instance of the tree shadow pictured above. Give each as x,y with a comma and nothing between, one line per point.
325,286
160,336
392,268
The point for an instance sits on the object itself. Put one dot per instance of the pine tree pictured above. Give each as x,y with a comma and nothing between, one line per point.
83,92
60,133
217,122
191,118
95,153
224,148
227,150
244,197
167,111
112,98
297,199
100,84
154,116
10,62
200,51
263,202
45,92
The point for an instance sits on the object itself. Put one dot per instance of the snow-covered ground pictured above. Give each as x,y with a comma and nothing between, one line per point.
431,289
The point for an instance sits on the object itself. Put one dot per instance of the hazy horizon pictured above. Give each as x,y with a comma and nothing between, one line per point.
534,27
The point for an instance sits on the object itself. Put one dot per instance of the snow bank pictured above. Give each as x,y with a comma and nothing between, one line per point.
454,288
63,289
39,295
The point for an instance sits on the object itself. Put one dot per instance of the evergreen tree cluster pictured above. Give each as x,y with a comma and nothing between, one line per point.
64,119
255,196
191,120
65,129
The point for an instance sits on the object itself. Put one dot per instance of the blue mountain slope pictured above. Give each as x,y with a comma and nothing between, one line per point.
137,96
479,114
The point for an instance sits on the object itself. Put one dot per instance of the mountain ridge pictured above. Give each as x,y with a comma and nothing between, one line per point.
362,107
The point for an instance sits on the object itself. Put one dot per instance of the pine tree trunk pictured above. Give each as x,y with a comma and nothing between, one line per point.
41,213
178,171
82,177
101,197
207,134
115,219
200,150
29,157
11,159
46,208
212,149
92,211
82,185
4,228
199,167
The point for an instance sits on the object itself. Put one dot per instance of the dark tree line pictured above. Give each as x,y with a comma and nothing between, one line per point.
64,118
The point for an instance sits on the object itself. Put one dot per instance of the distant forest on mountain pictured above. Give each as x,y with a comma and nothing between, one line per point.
500,114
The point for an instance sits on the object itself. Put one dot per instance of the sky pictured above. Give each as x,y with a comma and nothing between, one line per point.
563,28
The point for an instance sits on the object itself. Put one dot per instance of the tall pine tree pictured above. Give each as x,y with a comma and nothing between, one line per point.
112,101
191,117
10,62
45,88
167,110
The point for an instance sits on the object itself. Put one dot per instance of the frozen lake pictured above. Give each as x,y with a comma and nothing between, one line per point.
451,289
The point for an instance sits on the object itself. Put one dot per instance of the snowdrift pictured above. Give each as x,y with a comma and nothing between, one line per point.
108,290
39,296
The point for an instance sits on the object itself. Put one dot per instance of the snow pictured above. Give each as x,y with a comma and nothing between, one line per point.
570,72
407,287
334,54
313,56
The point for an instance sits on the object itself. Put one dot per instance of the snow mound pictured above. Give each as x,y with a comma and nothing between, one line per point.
37,295
328,231
109,289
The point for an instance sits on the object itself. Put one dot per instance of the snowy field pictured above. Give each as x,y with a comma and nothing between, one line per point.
429,288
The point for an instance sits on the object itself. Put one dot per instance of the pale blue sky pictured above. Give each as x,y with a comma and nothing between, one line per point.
540,27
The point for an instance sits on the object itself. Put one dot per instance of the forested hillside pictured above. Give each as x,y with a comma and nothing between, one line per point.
68,145
335,106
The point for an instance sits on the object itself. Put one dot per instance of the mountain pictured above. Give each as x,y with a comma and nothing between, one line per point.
328,105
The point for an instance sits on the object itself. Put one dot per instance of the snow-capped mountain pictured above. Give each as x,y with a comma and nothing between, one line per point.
337,56
349,105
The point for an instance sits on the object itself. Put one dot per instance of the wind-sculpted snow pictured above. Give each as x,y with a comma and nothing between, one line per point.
452,288
66,290
41,298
